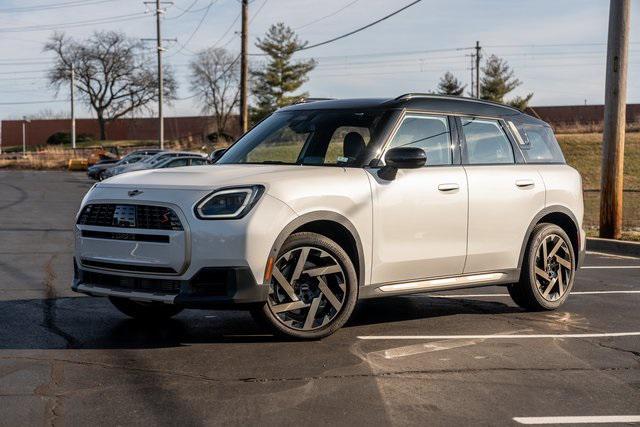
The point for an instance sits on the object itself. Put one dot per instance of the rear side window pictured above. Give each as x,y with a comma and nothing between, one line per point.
540,145
486,142
431,133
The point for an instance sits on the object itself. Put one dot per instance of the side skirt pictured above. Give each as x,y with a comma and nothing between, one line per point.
489,278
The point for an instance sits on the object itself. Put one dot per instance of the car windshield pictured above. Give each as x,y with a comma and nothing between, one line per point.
308,137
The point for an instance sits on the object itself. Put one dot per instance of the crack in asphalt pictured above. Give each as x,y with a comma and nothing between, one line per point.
399,373
636,354
22,196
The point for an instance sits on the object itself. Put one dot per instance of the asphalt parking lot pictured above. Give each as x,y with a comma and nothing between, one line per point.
463,357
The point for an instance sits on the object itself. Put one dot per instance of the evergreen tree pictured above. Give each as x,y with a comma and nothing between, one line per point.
521,102
274,84
498,80
450,85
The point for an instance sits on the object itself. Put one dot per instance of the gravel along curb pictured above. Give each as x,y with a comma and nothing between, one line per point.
618,247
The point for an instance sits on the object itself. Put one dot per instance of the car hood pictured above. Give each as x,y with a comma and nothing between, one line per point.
211,177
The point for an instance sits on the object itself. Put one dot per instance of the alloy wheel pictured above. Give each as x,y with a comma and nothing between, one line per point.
553,267
308,288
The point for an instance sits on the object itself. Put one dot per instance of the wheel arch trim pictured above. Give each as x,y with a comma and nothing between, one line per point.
536,219
323,216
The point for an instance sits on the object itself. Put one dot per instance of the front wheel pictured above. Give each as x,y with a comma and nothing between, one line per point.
145,310
548,270
314,288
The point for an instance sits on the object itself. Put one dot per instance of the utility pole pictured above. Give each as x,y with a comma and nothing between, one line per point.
159,11
478,69
73,111
472,56
24,135
244,68
611,184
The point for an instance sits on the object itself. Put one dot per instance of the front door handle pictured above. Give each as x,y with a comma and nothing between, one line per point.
525,183
448,187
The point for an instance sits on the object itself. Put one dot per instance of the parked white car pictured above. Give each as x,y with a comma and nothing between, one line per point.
328,202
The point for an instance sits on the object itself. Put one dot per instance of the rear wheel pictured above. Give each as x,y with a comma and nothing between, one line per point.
313,288
548,270
145,310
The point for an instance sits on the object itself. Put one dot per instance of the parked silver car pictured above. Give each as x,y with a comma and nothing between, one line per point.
149,163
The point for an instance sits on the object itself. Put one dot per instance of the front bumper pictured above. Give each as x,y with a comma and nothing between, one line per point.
210,287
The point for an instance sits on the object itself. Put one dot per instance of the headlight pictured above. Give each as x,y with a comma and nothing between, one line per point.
229,203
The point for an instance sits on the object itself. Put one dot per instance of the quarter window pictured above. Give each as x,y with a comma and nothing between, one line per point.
541,146
486,142
430,133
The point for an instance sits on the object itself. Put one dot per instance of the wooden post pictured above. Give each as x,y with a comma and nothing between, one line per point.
244,69
611,184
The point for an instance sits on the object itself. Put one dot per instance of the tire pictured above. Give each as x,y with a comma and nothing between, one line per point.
145,310
101,176
545,282
314,289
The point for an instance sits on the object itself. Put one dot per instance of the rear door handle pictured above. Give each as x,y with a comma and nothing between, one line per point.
448,187
525,183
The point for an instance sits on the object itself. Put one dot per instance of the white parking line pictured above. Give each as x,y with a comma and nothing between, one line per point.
610,267
497,337
612,255
579,419
506,295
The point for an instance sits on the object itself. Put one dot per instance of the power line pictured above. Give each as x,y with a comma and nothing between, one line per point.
52,6
184,11
107,20
361,28
51,101
326,16
204,16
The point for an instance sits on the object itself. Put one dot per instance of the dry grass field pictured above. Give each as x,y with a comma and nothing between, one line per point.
582,151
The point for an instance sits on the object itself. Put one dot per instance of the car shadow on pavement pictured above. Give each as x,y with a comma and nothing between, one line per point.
93,323
420,307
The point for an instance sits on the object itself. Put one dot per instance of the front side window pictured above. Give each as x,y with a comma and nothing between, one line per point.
308,137
431,133
486,142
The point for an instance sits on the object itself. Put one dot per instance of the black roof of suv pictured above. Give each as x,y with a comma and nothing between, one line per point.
426,102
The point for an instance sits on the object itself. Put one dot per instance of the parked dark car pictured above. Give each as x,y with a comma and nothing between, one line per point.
97,171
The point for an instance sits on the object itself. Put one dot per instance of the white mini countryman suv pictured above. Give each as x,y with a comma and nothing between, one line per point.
327,202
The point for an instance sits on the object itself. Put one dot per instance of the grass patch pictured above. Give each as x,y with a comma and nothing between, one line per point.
583,151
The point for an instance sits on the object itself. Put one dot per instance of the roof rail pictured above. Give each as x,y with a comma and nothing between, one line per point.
306,100
460,98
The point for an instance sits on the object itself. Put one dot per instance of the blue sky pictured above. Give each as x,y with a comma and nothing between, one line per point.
557,48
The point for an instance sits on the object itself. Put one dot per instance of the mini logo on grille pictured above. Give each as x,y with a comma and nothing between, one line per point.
133,193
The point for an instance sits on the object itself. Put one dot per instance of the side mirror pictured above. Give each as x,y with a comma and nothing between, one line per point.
213,157
402,158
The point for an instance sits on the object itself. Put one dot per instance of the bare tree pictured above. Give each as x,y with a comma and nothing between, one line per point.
215,81
112,76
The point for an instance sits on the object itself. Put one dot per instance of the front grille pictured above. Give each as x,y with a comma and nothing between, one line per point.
128,267
130,216
136,237
131,283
